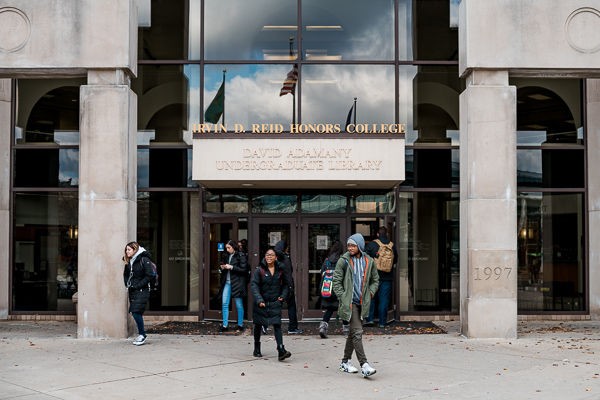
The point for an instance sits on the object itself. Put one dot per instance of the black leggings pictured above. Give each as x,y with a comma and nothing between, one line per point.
276,329
329,313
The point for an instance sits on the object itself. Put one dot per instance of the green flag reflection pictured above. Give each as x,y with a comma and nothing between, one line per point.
215,109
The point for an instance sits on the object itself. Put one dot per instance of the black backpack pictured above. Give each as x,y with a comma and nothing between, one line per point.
153,284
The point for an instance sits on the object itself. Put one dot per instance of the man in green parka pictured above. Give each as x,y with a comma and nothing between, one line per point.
355,282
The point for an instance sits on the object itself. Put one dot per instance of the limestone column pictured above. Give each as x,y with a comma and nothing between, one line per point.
5,137
592,103
488,211
107,202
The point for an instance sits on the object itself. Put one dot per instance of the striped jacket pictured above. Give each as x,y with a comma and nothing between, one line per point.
343,285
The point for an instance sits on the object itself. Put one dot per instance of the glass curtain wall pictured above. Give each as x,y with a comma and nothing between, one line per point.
377,61
45,185
168,201
551,178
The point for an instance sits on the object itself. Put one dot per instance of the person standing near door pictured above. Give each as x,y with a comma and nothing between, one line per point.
137,275
385,255
329,300
282,249
355,282
233,284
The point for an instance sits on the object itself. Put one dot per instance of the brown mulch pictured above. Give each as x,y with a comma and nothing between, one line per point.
308,328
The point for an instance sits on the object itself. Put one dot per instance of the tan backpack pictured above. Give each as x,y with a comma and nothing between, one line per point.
385,261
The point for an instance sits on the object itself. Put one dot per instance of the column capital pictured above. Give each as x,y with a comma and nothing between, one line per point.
108,77
487,77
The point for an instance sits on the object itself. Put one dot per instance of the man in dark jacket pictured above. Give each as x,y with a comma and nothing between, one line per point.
283,255
386,279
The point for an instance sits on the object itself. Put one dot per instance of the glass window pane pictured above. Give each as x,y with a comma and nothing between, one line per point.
212,202
45,235
551,269
48,111
235,203
168,103
250,30
323,203
252,94
549,111
429,104
328,93
164,229
432,168
337,30
274,203
550,168
435,29
169,30
164,168
46,168
373,203
429,252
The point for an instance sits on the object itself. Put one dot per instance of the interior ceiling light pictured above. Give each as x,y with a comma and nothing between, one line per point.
539,97
324,28
277,57
322,57
279,28
351,184
534,126
247,184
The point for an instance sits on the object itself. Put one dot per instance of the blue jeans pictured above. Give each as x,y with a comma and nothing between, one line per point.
239,304
139,320
385,287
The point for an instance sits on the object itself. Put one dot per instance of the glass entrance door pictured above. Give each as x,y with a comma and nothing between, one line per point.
266,232
390,224
318,235
217,232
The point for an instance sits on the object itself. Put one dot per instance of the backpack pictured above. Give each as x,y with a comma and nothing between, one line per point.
385,261
327,281
153,284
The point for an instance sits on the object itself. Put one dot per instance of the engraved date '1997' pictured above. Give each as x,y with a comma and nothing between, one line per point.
487,273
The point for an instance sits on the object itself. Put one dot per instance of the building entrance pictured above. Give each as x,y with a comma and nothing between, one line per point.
309,240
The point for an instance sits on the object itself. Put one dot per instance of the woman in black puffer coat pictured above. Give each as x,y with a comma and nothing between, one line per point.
234,275
269,288
138,274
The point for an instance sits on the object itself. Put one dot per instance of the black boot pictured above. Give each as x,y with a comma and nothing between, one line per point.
283,353
257,352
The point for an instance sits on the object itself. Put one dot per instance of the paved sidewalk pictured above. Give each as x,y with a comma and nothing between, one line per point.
44,360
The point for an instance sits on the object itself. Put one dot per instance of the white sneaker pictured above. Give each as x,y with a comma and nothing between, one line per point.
140,340
348,367
367,370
